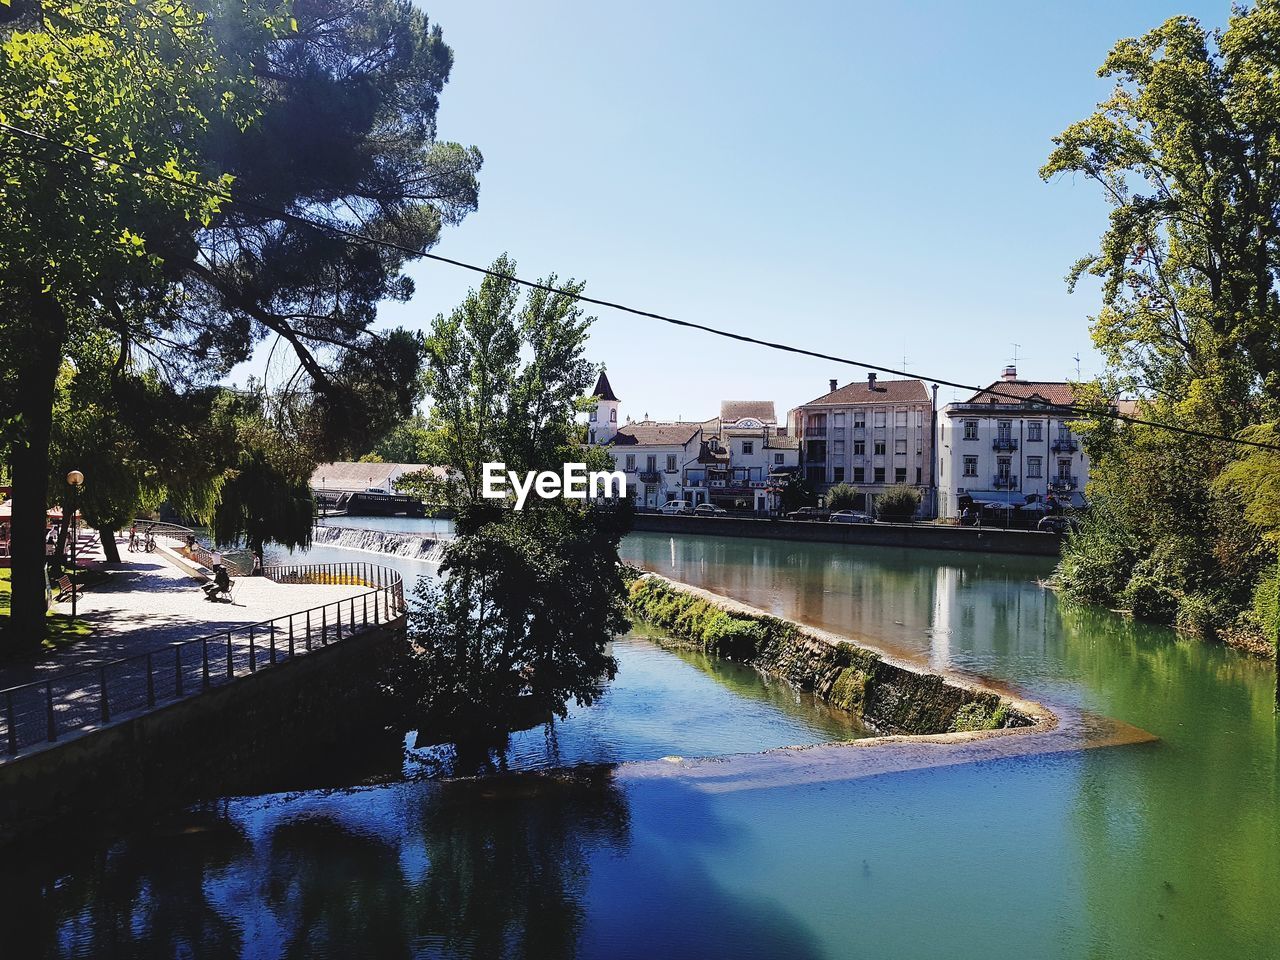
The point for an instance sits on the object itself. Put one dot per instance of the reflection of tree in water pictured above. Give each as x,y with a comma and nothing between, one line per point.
507,864
509,861
336,892
143,898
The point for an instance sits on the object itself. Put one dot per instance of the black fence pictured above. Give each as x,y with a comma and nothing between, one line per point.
79,700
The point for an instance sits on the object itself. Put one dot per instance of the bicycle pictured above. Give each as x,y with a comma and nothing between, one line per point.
150,544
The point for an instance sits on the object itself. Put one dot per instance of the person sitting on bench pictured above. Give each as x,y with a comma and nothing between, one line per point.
221,584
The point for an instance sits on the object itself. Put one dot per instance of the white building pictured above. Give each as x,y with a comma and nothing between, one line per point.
870,435
1010,443
734,460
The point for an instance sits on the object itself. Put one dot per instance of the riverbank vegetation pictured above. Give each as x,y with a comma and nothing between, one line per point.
1184,151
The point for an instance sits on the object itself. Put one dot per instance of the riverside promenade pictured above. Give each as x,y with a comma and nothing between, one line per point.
148,602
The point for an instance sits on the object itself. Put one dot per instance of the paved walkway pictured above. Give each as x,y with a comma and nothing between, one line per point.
148,603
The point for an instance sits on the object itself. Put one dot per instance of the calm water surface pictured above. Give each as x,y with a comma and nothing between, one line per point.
1165,850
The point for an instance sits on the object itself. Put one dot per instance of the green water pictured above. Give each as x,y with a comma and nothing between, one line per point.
1161,850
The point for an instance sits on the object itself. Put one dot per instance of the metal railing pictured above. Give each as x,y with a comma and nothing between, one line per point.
1003,481
1062,483
1064,445
77,701
1004,443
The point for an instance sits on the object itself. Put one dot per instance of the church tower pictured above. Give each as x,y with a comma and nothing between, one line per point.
602,422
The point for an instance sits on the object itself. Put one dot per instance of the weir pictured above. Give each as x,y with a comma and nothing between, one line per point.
415,546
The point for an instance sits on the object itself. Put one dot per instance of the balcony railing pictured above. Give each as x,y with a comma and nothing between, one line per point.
1064,445
650,476
1062,483
815,431
1003,481
1004,443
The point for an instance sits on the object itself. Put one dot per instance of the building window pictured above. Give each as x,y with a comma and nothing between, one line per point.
651,463
593,437
837,474
671,463
1004,429
970,466
837,420
1033,466
859,448
900,446
1064,469
879,474
900,418
881,418
917,476
1003,465
1033,430
859,420
879,448
748,447
837,447
631,463
899,474
779,459
971,429
1064,432
859,474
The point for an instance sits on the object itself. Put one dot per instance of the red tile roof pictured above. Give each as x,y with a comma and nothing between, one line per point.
647,433
886,391
731,411
1049,391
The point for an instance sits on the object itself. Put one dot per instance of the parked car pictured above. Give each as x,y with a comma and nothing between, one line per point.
807,513
851,516
672,507
709,510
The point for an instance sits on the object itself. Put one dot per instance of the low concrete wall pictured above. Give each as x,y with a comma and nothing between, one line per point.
221,742
928,536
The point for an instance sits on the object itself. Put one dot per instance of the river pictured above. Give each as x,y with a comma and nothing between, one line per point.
1168,849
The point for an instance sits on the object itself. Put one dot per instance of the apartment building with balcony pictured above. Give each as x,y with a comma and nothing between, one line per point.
871,435
1010,443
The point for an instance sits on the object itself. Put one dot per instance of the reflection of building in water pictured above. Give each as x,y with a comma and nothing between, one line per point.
985,617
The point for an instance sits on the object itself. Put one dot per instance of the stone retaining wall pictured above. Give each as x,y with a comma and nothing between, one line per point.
891,697
230,739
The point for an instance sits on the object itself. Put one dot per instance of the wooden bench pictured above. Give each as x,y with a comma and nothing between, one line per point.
65,588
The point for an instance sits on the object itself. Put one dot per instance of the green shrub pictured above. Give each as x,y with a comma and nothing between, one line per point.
844,497
1200,614
1266,607
1148,599
1097,559
898,504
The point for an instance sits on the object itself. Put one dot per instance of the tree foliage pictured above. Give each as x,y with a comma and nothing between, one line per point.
844,497
1185,151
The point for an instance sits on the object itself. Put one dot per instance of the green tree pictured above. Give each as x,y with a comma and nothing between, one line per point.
898,504
1184,152
844,497
796,492
519,626
107,77
328,112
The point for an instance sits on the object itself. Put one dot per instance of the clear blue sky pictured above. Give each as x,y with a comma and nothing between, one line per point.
860,177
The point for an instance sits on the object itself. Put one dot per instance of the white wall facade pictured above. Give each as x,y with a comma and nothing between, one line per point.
1007,452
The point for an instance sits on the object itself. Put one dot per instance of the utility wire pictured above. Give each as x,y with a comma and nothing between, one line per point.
1077,409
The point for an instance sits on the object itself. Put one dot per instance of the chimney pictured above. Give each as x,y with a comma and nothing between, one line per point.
871,381
1010,372
834,385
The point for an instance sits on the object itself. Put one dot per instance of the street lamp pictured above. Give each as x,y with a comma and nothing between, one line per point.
74,479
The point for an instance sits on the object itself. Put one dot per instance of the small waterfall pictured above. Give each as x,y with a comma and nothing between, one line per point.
412,545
